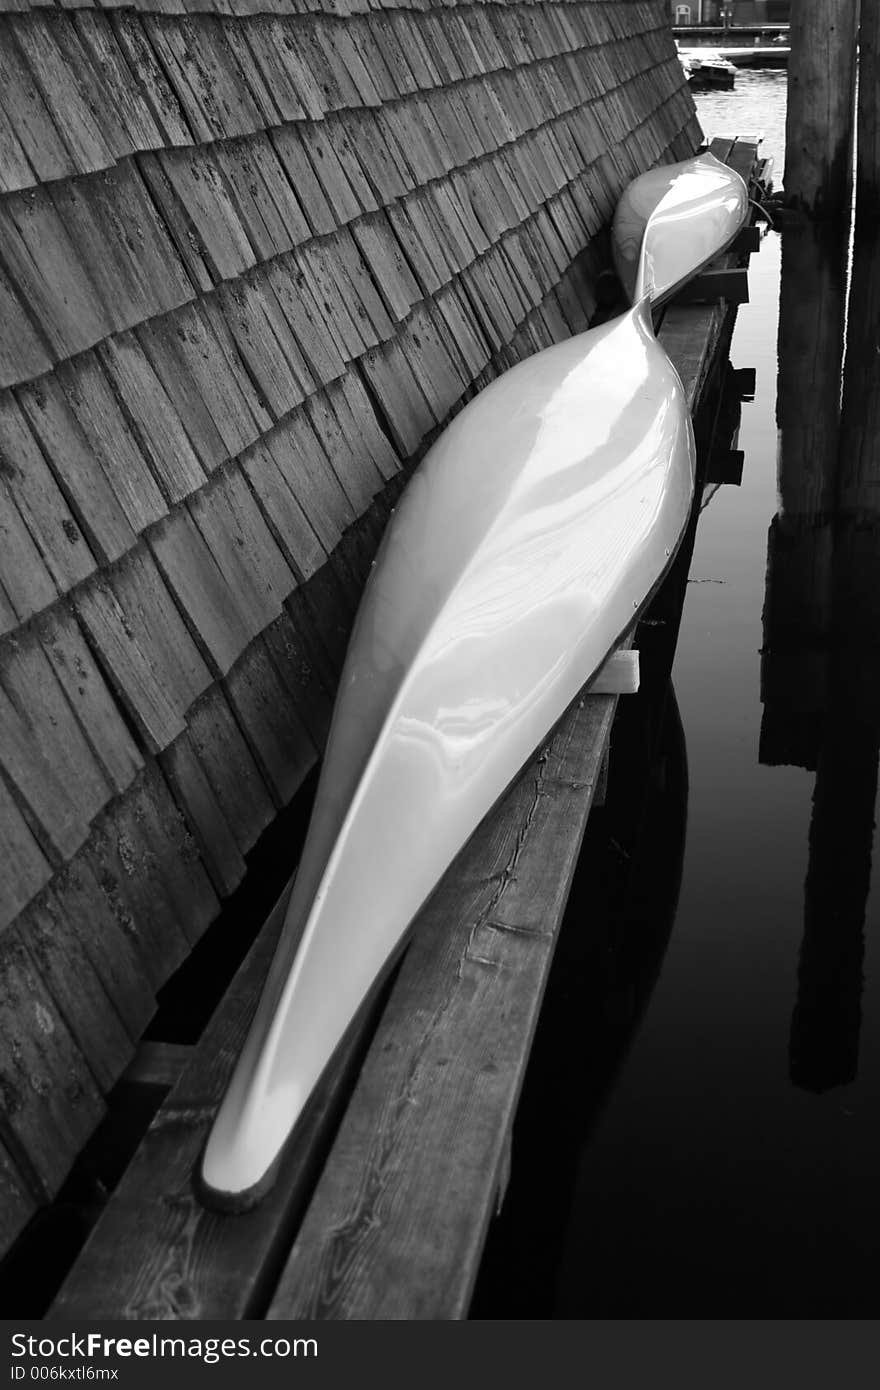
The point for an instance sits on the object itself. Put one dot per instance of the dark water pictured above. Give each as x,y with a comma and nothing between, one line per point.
730,1167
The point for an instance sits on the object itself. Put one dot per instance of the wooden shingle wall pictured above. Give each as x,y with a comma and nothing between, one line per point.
253,254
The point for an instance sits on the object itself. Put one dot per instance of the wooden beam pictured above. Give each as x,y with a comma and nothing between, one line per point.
819,118
158,1064
439,1088
730,283
747,241
868,143
619,675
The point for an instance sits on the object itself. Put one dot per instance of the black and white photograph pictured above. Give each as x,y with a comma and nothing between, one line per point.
439,688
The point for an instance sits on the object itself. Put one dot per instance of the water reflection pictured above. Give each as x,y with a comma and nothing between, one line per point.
618,923
821,661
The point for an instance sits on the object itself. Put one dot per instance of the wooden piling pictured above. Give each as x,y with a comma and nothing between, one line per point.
821,101
868,165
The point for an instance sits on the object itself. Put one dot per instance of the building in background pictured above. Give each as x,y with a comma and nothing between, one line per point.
734,11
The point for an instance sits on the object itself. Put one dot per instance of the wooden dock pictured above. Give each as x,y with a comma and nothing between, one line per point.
254,255
382,1205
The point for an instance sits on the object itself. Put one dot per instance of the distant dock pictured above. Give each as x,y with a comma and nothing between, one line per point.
755,46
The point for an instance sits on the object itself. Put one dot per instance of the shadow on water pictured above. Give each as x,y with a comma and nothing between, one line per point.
616,929
700,1132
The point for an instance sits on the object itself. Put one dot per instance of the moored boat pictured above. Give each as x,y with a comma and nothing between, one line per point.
672,221
708,68
523,548
521,551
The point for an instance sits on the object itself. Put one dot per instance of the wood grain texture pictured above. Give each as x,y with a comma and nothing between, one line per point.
379,1240
252,257
191,1262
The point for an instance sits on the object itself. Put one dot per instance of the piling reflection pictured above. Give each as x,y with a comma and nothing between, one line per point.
821,666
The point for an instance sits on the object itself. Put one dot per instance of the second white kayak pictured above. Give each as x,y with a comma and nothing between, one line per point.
672,221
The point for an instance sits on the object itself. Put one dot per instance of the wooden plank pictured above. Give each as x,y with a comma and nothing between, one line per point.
99,514
479,958
212,311
50,1101
28,115
730,283
358,476
299,62
200,187
181,226
24,869
123,89
158,1064
149,861
17,1201
344,203
22,353
245,312
212,377
111,441
153,1257
165,107
263,43
164,441
70,977
367,142
748,240
40,503
358,418
287,200
260,701
322,347
306,676
177,62
689,336
72,93
230,768
255,209
48,275
140,638
284,515
235,35
128,250
38,762
288,145
243,548
220,629
619,675
342,314
305,468
103,924
204,816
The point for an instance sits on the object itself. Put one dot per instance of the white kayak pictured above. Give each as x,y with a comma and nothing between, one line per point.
672,221
525,544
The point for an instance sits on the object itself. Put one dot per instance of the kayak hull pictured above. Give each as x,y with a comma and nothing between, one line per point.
521,551
673,221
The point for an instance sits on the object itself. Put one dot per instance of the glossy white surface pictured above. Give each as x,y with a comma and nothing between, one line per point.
519,554
672,221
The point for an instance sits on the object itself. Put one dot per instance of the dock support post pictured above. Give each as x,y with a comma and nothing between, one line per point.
797,607
821,106
868,159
